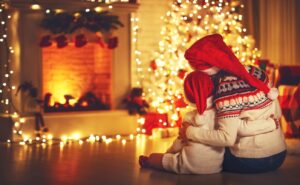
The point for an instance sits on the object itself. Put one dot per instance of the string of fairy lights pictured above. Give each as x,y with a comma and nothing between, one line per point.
7,89
7,51
139,71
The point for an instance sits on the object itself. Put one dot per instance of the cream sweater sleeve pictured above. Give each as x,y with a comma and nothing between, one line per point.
228,130
263,123
251,128
225,135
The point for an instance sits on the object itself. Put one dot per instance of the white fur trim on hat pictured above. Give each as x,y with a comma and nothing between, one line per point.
211,71
209,102
273,93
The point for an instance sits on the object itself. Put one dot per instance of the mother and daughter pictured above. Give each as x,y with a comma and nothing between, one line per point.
234,126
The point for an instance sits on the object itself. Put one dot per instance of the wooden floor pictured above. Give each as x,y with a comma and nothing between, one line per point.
115,164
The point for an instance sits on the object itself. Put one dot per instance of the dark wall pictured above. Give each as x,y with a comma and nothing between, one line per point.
298,31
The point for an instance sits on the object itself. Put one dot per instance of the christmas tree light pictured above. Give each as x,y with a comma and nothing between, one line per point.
186,22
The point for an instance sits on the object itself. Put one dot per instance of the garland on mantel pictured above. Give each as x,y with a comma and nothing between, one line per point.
64,23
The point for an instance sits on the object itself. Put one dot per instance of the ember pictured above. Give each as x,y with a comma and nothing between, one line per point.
86,102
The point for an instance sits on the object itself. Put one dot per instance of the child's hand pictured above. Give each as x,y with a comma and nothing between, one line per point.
182,132
184,124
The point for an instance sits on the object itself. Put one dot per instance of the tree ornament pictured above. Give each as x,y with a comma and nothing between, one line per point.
201,2
153,65
80,41
45,41
61,41
179,102
181,73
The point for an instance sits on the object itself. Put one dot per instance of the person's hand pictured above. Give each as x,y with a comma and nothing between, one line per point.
276,120
182,132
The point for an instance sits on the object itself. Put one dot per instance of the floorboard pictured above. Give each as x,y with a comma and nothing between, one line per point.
115,164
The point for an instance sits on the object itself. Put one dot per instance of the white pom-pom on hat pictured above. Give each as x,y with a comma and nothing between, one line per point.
273,93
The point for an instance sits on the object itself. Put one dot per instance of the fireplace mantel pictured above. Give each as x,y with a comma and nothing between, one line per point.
74,5
26,33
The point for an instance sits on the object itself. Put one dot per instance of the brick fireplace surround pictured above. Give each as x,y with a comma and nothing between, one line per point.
26,34
76,72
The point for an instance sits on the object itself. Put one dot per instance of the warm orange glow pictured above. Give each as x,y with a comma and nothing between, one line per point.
76,71
84,104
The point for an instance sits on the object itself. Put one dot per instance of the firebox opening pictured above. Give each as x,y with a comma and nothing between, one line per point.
77,79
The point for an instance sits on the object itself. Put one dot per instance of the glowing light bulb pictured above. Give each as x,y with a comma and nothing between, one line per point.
35,7
98,9
64,138
22,120
76,136
50,137
92,138
17,124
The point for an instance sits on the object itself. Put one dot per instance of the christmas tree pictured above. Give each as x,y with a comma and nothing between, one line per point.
186,22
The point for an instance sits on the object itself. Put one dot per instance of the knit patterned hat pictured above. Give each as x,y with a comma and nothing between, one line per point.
211,53
198,87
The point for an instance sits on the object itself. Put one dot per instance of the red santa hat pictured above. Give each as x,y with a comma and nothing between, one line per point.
210,54
198,88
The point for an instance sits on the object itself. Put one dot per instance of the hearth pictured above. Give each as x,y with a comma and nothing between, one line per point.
77,79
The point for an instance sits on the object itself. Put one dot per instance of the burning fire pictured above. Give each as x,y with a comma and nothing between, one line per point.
73,72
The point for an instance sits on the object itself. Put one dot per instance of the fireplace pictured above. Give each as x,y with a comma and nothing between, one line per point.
77,79
109,80
72,77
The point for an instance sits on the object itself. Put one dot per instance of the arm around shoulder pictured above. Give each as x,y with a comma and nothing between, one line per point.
225,135
256,127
